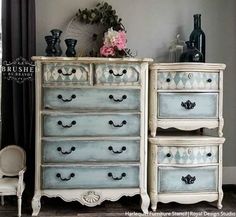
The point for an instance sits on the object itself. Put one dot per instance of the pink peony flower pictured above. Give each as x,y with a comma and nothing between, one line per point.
121,40
107,51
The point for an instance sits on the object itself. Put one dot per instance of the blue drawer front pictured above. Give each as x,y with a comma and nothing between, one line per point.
170,179
187,155
92,125
91,99
77,151
90,177
188,105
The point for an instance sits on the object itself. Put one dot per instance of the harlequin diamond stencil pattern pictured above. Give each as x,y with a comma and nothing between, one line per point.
51,73
131,75
187,80
188,155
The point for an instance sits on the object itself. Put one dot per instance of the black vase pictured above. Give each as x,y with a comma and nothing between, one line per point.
191,54
57,33
70,51
50,50
198,36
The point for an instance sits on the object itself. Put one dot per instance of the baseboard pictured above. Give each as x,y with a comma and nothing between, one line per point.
229,175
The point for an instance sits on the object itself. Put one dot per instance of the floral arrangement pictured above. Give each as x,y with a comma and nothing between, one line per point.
115,38
114,43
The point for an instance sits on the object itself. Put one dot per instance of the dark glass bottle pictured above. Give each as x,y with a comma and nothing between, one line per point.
70,51
198,36
191,54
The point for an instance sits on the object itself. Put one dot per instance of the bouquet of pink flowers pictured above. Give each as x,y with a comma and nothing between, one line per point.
114,44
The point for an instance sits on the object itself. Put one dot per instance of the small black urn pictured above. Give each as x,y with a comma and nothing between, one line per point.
57,33
192,54
50,49
70,43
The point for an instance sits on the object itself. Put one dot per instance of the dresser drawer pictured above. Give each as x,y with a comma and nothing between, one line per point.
188,105
198,179
117,74
66,72
92,99
187,80
90,177
92,125
77,151
187,155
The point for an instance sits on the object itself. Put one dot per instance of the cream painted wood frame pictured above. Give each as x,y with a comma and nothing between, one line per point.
182,123
92,197
183,197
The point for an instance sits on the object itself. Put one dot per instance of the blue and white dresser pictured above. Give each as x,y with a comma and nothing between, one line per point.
184,167
91,129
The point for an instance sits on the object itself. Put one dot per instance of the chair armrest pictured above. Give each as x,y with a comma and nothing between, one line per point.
20,186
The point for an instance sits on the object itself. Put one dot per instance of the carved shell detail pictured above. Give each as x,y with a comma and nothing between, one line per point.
91,197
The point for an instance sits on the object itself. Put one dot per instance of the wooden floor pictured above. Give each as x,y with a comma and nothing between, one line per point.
57,207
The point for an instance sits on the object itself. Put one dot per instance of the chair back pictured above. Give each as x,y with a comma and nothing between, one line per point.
12,160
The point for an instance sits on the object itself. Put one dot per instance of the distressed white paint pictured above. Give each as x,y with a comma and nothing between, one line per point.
137,70
184,123
189,196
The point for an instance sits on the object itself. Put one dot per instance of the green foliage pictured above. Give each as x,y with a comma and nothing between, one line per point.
103,14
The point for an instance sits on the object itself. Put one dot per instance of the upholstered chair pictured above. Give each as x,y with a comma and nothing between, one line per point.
12,168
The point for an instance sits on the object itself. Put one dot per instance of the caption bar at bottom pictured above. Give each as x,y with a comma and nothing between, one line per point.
183,214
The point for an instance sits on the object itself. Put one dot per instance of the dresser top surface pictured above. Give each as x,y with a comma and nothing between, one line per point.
90,59
188,66
186,139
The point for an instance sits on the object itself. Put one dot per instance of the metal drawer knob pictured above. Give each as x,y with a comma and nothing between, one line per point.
168,80
209,154
116,178
209,80
124,122
110,148
168,155
73,96
66,126
72,175
66,152
188,104
117,100
188,179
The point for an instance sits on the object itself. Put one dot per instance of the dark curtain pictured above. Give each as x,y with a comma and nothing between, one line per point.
18,35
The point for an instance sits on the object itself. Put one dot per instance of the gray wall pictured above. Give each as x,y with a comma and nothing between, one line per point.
152,25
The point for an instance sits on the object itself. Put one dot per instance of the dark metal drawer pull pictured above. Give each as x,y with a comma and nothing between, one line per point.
72,175
124,122
209,154
168,155
117,178
73,71
209,80
123,72
168,80
66,100
66,126
188,104
110,148
118,100
188,179
66,152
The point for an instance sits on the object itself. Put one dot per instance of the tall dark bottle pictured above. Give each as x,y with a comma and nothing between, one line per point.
198,36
